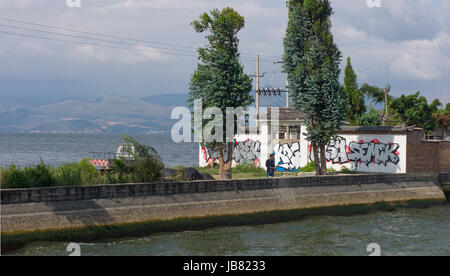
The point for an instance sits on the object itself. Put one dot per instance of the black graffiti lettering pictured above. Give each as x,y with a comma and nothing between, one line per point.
287,158
339,151
366,152
335,151
355,152
377,153
247,152
380,155
392,153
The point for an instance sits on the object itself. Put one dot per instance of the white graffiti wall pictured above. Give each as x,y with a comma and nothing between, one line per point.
366,153
248,149
384,153
287,157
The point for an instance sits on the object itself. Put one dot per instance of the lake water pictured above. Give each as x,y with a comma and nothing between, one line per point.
401,232
54,149
404,232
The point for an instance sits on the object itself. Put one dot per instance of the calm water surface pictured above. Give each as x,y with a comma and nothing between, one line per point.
27,149
402,232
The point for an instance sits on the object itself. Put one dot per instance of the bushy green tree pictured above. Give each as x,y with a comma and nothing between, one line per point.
219,79
356,102
311,60
145,165
415,110
376,94
370,118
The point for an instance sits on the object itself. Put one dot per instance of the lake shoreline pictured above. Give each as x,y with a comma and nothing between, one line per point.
112,211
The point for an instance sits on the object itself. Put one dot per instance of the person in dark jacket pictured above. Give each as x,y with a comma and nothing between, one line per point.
270,165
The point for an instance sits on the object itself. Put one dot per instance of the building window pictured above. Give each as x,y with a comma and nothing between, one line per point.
282,135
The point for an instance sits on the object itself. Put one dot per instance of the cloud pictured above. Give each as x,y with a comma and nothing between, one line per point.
138,54
423,59
404,43
18,4
30,47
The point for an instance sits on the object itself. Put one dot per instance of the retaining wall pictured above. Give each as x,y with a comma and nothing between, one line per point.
53,194
65,208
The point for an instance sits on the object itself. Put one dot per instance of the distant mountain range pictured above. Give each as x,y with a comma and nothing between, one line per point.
110,114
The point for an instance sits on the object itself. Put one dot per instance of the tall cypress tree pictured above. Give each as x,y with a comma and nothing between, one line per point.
219,79
311,59
356,103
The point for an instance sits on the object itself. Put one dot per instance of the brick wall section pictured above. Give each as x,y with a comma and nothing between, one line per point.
426,156
444,156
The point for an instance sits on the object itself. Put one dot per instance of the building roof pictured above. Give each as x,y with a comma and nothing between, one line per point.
286,114
402,128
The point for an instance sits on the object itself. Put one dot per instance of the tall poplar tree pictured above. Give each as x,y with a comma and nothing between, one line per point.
311,60
356,102
219,79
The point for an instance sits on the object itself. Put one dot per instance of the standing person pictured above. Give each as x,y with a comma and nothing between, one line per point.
270,165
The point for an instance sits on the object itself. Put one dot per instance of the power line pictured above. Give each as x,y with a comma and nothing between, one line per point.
115,37
108,46
192,54
90,38
92,44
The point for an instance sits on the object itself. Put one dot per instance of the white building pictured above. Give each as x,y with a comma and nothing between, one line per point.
365,149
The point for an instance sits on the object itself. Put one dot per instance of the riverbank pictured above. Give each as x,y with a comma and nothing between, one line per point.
109,211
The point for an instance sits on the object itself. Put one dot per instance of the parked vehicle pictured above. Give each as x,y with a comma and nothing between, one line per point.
104,160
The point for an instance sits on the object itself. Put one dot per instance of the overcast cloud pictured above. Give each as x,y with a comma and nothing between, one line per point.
403,43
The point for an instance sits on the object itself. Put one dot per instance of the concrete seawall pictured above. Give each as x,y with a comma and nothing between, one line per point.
70,212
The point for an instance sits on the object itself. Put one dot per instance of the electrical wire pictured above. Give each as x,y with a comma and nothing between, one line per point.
262,59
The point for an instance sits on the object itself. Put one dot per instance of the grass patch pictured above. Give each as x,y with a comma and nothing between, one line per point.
78,174
239,172
346,170
310,167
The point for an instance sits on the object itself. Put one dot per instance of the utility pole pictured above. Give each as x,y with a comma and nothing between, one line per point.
288,105
386,110
257,76
257,89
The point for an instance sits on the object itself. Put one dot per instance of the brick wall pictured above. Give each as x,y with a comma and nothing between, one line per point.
426,156
444,156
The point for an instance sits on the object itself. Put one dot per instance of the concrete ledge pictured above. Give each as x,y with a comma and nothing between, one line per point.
162,189
62,215
115,211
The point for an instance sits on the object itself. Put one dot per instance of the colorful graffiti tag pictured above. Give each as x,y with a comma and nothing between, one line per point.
287,158
373,152
245,152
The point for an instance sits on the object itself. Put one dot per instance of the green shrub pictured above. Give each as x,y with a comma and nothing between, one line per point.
69,174
29,177
310,167
146,165
41,175
13,177
346,170
89,174
146,170
247,168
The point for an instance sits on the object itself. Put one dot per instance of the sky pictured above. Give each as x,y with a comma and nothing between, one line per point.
404,43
